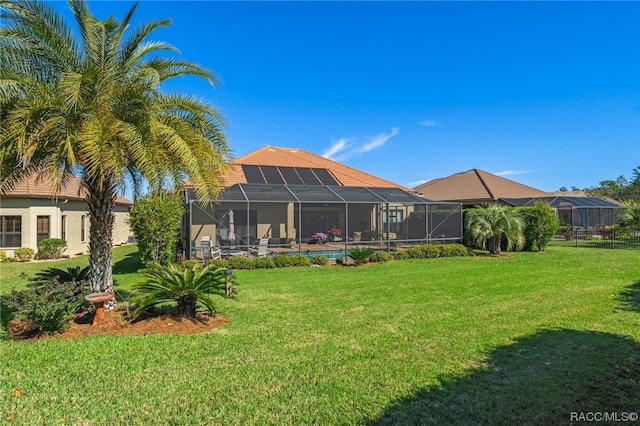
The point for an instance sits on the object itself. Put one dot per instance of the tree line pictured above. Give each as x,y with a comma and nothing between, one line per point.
620,189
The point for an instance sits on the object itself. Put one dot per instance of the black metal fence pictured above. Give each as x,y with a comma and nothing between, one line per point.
597,237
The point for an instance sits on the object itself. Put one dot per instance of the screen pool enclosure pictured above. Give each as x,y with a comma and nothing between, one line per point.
300,218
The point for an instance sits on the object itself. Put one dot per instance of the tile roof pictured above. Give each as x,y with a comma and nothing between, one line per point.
293,157
476,185
33,187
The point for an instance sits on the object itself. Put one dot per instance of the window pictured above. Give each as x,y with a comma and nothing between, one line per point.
10,231
395,216
83,227
395,219
63,227
42,227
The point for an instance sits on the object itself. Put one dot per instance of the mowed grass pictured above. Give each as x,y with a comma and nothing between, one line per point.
15,275
528,338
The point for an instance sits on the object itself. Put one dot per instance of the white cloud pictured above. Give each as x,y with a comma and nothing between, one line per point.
336,147
345,148
512,172
379,140
430,123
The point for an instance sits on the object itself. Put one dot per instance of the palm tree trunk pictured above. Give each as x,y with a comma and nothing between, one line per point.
101,200
494,245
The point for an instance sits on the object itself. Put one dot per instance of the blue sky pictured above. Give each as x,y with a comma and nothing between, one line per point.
544,93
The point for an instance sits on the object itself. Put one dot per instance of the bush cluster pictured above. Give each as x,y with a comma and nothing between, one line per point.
381,256
426,251
319,260
47,304
51,248
284,261
155,220
430,251
23,254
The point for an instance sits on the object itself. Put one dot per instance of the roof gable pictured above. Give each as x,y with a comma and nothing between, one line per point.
476,184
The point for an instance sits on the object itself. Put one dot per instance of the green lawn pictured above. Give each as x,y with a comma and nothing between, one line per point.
125,261
524,339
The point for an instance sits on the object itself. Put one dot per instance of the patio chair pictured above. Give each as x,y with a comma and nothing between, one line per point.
263,248
208,251
223,236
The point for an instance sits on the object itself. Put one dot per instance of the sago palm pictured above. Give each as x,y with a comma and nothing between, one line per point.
487,227
189,288
91,105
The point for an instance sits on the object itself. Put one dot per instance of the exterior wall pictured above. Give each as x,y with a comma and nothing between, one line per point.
121,227
72,210
273,220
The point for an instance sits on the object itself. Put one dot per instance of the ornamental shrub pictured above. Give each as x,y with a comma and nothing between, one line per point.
381,256
282,260
300,260
263,263
155,220
51,248
46,304
399,255
217,263
319,260
360,254
23,254
3,255
541,224
189,288
76,278
240,262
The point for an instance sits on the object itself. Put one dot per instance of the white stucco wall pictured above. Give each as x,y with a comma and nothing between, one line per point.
73,210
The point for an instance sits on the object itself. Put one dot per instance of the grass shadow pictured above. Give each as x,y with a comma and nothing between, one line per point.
540,379
129,264
629,298
6,315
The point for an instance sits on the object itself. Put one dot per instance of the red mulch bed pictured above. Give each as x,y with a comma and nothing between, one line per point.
116,324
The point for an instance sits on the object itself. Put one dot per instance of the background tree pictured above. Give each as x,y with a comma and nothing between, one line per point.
541,225
630,217
155,220
620,189
92,106
489,226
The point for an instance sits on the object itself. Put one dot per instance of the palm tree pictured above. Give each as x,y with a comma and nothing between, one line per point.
92,106
630,216
487,227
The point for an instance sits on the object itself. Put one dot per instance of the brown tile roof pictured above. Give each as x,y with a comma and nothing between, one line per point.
294,157
33,187
476,185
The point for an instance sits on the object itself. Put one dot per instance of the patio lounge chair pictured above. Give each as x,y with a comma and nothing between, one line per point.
262,250
208,251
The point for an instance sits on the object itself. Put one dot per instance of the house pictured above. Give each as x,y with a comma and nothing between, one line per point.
29,214
475,187
293,197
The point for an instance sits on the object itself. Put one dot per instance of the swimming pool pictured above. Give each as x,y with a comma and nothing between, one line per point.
329,254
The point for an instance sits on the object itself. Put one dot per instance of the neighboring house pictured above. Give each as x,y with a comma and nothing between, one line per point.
476,187
289,195
29,214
